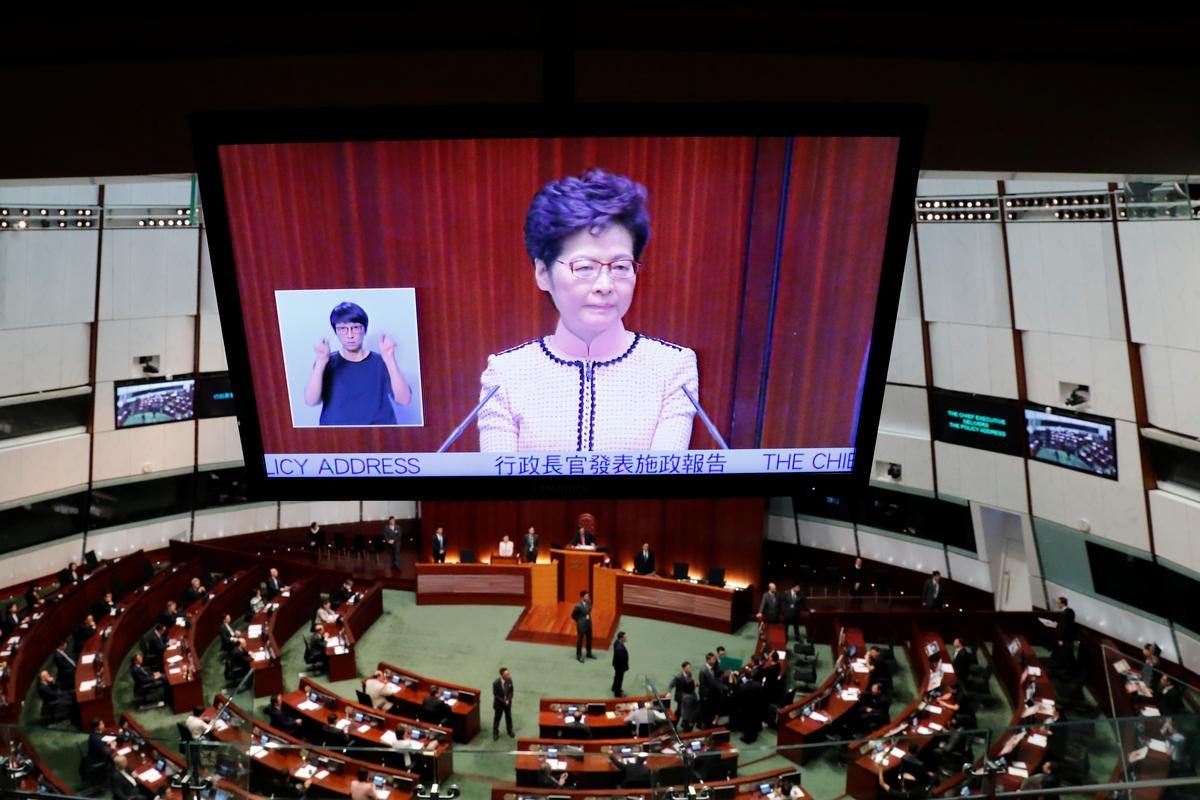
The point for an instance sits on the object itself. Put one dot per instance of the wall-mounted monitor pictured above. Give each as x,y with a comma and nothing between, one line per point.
214,395
153,402
593,300
974,420
1076,441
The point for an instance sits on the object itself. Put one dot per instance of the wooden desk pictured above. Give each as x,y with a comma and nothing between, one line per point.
101,657
574,571
614,745
474,584
597,771
797,729
746,787
281,618
143,752
434,761
610,724
269,764
496,558
918,723
412,690
717,608
60,617
1126,683
38,774
1008,653
356,617
189,642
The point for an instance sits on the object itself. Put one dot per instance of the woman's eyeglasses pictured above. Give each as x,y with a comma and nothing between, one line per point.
589,269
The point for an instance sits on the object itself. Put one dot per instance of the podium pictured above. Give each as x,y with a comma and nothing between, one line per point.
575,571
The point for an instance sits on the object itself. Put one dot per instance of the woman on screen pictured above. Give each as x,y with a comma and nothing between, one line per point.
592,384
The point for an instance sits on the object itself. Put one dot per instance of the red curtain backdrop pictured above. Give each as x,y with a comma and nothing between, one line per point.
447,218
706,532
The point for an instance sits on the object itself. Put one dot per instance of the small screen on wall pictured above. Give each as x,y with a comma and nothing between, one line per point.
972,420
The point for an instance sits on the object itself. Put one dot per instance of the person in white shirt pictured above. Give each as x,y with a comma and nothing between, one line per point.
325,614
506,546
195,723
646,714
398,740
379,689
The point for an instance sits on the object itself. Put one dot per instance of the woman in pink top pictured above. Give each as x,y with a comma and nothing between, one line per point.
592,384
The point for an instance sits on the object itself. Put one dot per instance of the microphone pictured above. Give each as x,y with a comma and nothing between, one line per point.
712,429
457,432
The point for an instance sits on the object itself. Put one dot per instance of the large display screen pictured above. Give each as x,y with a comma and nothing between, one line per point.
1087,444
972,420
609,305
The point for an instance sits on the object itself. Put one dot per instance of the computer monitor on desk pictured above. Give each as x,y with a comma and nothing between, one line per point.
680,573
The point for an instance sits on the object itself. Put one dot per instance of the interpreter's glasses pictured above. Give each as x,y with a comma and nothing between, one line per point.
346,330
589,269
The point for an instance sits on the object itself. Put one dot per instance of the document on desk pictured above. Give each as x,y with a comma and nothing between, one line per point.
1150,711
850,695
174,659
819,716
87,658
860,666
87,686
174,670
363,728
260,655
610,714
556,763
1137,755
1018,772
257,752
150,776
1121,667
308,705
343,724
946,667
305,772
1036,739
220,725
322,774
254,631
1157,745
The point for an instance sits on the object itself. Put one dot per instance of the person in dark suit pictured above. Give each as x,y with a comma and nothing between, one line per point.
144,678
103,607
1167,696
1042,779
64,665
772,677
228,632
768,609
33,600
858,580
439,546
1064,636
123,784
583,538
502,697
194,592
909,778
933,595
69,575
879,668
961,658
98,751
633,775
620,664
687,706
529,546
342,594
56,700
154,646
582,614
393,538
792,610
169,614
434,709
10,621
274,585
238,662
873,708
279,718
711,691
331,734
643,562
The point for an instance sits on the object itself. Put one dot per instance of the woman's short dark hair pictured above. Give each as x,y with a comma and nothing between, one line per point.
593,201
347,312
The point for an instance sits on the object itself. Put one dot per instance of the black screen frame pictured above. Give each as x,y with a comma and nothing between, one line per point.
941,399
210,131
119,385
1068,414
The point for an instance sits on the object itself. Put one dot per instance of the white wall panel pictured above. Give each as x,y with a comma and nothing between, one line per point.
993,479
216,523
1189,650
45,358
1100,364
120,342
400,509
1052,184
40,560
1117,622
43,467
970,358
1161,262
1176,528
946,186
212,345
163,192
50,194
905,410
219,441
910,292
140,451
901,553
48,277
969,571
962,273
112,542
825,535
296,515
1115,510
1172,380
146,273
907,362
912,453
1065,279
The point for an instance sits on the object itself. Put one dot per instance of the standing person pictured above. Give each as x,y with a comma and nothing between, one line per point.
711,691
858,581
793,610
502,697
582,614
530,549
392,537
768,609
620,664
932,595
439,546
684,686
643,562
1065,639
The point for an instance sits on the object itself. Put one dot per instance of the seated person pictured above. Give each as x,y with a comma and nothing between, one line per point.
379,689
343,594
326,615
196,725
645,715
194,592
278,716
952,750
33,600
103,607
873,708
434,709
909,778
1045,778
70,574
331,734
274,585
10,621
64,664
237,662
122,782
549,778
169,615
228,632
505,547
583,538
98,750
399,739
145,679
635,774
879,668
256,604
56,699
86,631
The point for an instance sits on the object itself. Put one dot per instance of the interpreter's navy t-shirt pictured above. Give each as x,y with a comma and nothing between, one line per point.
356,392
